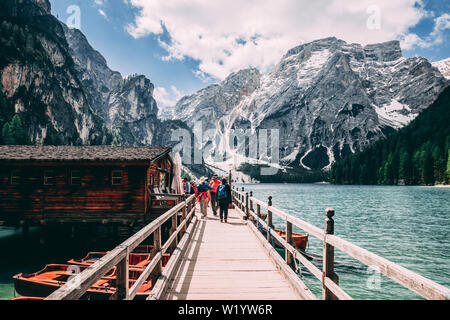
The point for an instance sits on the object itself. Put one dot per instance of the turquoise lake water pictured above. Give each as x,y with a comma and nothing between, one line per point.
407,225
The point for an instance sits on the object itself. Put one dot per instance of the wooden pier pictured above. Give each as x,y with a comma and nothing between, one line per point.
235,261
216,268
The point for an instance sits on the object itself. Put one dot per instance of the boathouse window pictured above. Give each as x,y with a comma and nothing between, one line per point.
75,177
117,177
49,177
16,177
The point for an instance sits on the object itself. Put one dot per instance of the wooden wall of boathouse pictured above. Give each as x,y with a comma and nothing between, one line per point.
25,198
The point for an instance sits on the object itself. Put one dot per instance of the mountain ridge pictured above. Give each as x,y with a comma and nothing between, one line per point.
328,98
418,154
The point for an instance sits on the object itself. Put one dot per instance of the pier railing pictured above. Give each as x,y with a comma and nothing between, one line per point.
119,256
250,208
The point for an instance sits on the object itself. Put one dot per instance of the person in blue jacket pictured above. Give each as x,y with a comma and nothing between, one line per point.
224,199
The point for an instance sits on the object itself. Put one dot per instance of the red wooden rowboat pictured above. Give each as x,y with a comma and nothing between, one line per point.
136,260
27,299
52,277
300,240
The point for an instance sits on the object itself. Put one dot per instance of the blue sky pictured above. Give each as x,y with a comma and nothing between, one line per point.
183,46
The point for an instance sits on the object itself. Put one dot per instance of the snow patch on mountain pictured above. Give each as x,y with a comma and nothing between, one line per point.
395,114
444,67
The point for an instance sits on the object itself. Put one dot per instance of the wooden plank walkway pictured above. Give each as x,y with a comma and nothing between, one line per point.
227,262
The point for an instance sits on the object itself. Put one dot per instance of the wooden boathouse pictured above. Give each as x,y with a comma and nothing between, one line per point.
90,184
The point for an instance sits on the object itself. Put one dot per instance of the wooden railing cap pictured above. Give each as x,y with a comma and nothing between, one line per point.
329,212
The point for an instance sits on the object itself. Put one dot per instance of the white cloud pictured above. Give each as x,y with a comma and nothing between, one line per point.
442,24
436,37
100,2
103,13
228,35
167,98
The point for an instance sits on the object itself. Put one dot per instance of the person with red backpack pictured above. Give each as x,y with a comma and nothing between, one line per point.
224,199
194,188
204,196
215,183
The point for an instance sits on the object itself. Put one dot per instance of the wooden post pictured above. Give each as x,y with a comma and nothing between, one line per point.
269,218
174,229
288,254
157,247
251,201
231,205
183,217
122,280
25,231
43,235
246,206
328,257
258,210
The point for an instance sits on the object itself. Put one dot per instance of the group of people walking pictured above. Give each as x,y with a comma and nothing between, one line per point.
218,192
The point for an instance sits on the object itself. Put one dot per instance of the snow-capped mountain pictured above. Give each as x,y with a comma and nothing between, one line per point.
327,98
444,67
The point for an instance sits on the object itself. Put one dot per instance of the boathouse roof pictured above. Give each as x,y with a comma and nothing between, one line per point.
84,153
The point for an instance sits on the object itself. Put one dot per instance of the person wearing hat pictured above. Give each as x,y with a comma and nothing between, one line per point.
203,190
215,183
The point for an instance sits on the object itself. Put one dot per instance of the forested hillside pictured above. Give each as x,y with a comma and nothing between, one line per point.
416,155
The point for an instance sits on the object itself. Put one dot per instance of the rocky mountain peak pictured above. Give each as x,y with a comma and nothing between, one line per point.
385,52
327,98
44,5
331,43
242,78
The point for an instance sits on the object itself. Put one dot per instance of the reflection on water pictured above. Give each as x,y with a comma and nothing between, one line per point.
21,255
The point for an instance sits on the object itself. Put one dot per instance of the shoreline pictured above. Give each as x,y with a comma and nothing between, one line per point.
442,186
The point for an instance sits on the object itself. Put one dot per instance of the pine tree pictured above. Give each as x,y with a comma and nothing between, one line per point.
405,167
447,172
7,135
13,132
19,131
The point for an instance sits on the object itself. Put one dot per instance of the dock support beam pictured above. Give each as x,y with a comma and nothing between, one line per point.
328,257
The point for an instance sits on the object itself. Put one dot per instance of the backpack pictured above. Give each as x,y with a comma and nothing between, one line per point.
222,192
